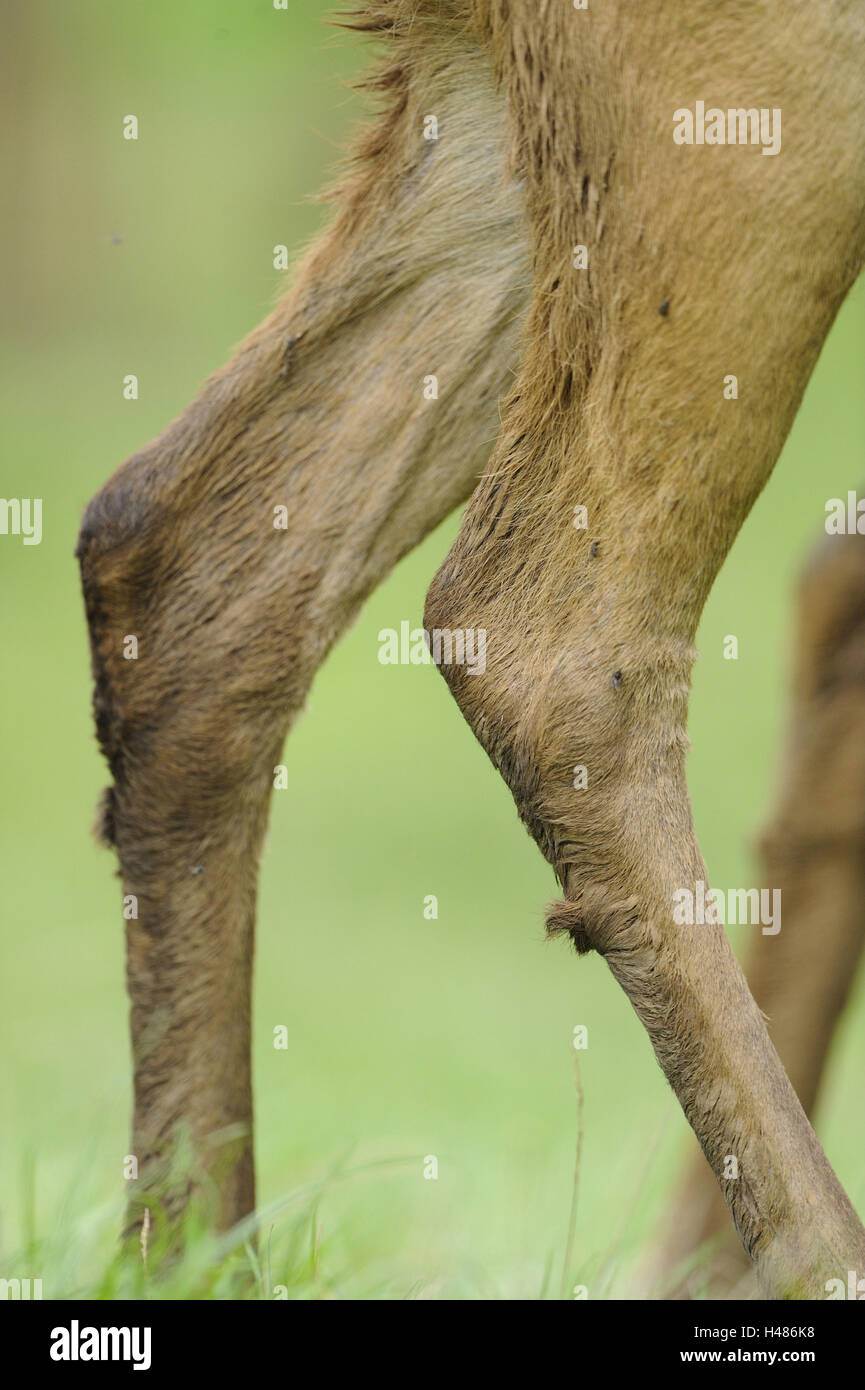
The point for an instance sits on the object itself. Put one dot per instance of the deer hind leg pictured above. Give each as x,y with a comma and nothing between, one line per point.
697,270
322,413
814,852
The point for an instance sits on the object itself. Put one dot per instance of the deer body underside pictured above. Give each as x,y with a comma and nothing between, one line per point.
565,381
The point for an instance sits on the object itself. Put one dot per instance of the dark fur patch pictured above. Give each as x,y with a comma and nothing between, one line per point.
104,824
596,922
563,917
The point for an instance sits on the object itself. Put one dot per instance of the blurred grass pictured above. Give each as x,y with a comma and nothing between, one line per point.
406,1036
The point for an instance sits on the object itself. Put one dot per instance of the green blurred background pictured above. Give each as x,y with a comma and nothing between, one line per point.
407,1037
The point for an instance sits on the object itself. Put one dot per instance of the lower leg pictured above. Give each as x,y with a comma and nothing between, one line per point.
814,853
622,475
586,672
238,546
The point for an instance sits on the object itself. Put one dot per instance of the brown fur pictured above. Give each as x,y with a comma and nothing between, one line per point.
814,852
456,259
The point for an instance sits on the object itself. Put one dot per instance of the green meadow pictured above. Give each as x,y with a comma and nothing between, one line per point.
408,1038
